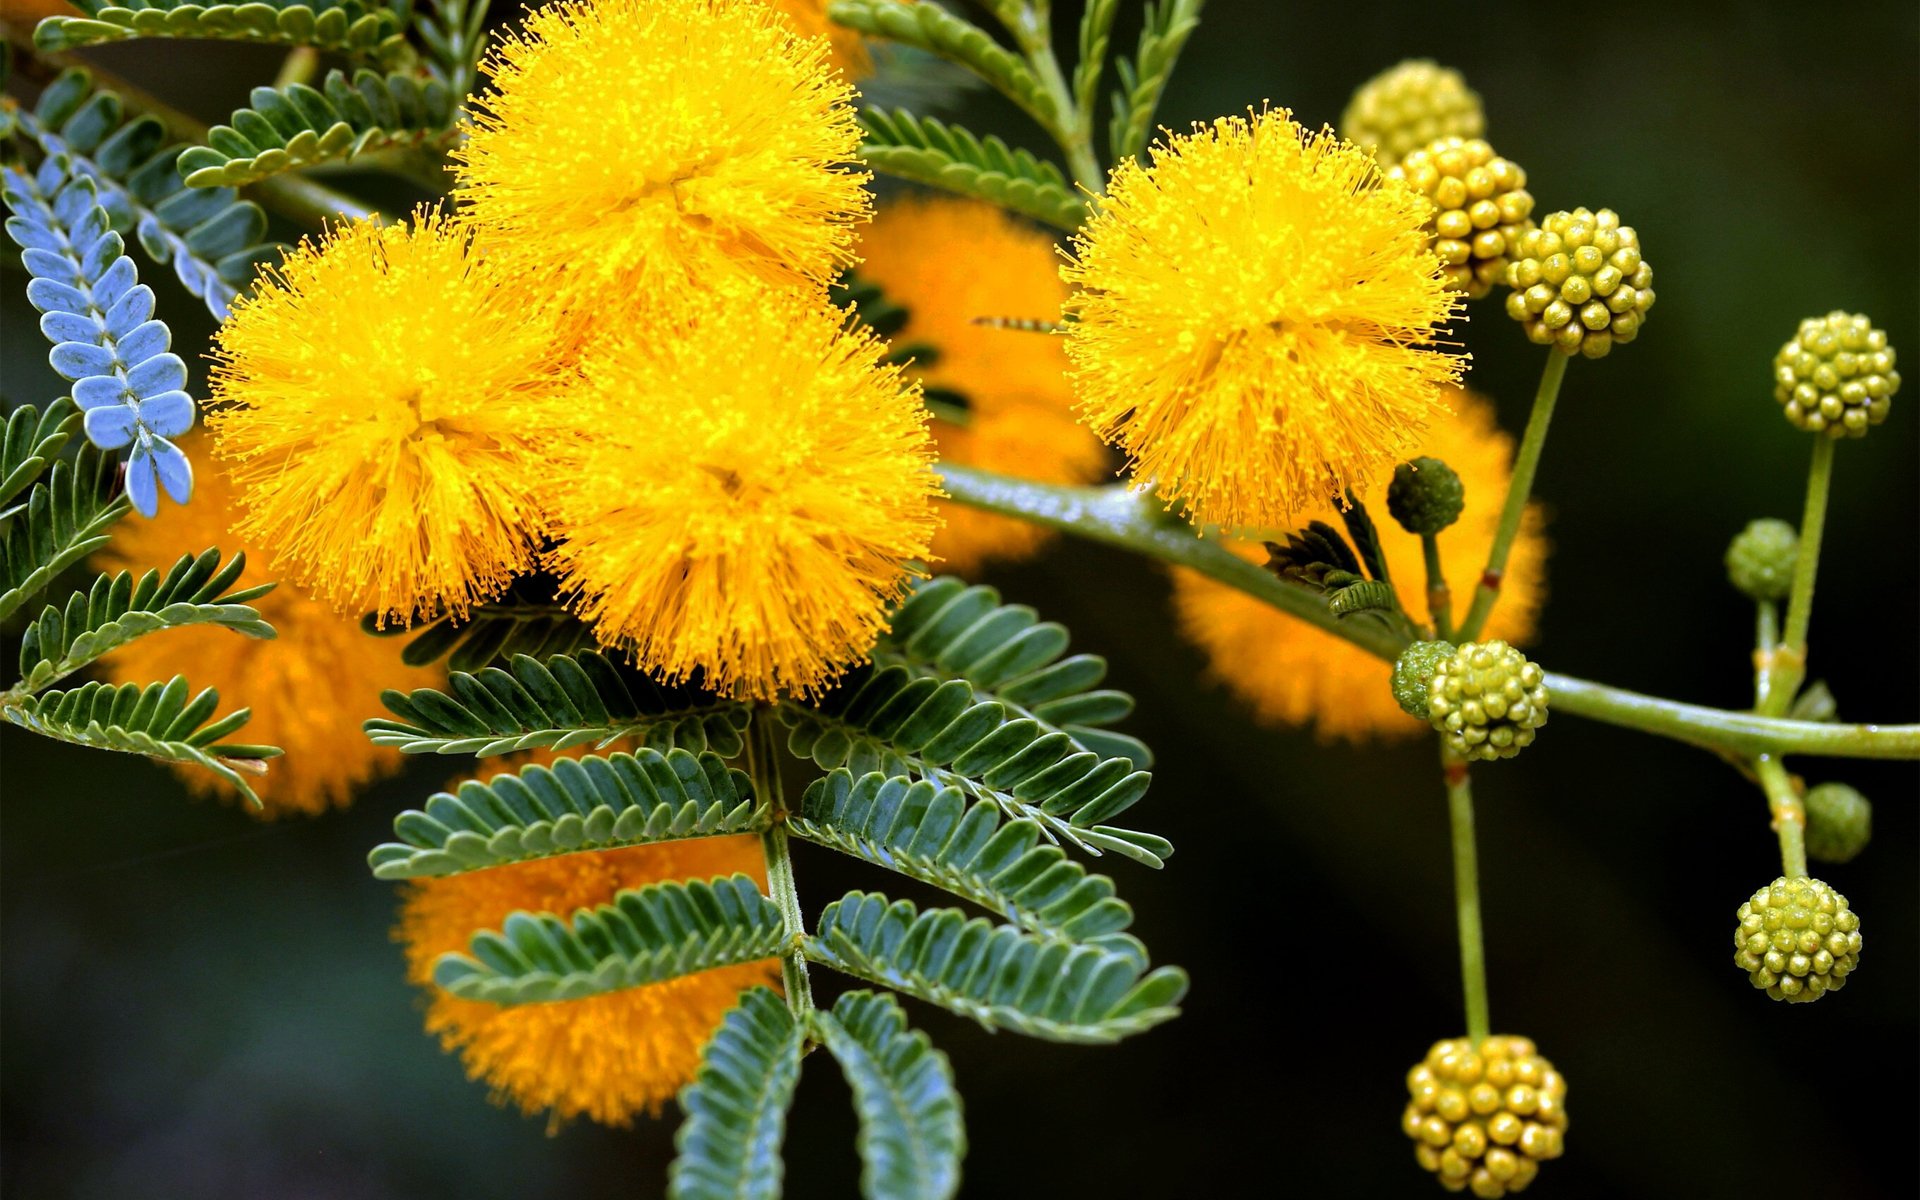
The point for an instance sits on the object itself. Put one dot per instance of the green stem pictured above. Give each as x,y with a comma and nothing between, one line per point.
1117,517
1526,465
1466,895
300,66
1074,136
1766,637
763,765
1790,660
1789,813
1439,595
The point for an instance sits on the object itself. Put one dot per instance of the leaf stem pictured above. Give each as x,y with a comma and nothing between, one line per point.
763,765
1074,135
1789,813
1790,659
1119,517
1466,895
1526,465
1439,595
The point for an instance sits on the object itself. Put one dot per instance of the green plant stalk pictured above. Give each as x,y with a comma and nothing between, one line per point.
1790,659
1766,637
1439,595
763,765
1466,895
1074,135
1117,517
300,66
1526,465
1789,813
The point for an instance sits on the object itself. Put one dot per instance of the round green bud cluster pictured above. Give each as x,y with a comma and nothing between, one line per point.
1579,283
1836,376
1409,106
1760,558
1486,701
1797,939
1839,822
1481,209
1484,1118
1413,674
1426,495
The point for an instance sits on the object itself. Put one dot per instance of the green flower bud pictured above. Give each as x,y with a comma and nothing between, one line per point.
1836,376
1481,209
1839,822
1409,106
1484,1117
1797,940
1760,559
1413,675
1579,283
1425,496
1486,701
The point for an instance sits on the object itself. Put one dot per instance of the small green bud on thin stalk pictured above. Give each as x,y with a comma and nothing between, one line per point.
1487,701
1797,940
1836,376
1409,106
1413,675
1760,559
1426,496
1579,283
1483,1118
1839,822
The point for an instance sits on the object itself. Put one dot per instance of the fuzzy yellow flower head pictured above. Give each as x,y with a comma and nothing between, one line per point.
383,404
1293,674
753,495
658,144
309,688
609,1057
950,262
1257,317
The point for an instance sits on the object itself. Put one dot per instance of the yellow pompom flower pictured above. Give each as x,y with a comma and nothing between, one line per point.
927,255
1295,674
656,145
309,688
609,1057
754,493
384,405
1257,320
849,49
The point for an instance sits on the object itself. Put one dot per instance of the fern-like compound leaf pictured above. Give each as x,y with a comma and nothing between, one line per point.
1168,25
99,318
159,720
28,442
949,629
117,609
209,236
298,126
587,803
65,518
911,1136
1096,30
940,31
996,974
933,834
566,701
347,27
1366,595
927,151
527,620
661,931
736,1107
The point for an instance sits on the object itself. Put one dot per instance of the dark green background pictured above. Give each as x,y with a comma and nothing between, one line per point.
196,1005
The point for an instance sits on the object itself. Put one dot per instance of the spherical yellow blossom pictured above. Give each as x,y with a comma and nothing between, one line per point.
1257,317
1294,674
384,405
608,1057
654,145
753,495
950,262
309,688
849,49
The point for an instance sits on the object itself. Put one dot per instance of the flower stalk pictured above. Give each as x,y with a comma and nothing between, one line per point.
1525,466
1439,595
1789,660
1789,813
1466,895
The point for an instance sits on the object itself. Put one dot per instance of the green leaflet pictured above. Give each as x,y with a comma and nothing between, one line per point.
660,931
736,1107
343,26
65,518
927,151
30,439
1168,25
911,1135
940,31
589,803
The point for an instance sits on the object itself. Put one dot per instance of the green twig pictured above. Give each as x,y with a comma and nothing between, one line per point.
1790,659
1525,465
1439,595
1068,128
1789,813
763,765
1466,895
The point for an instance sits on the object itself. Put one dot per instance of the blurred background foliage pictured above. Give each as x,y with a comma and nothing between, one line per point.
199,1005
